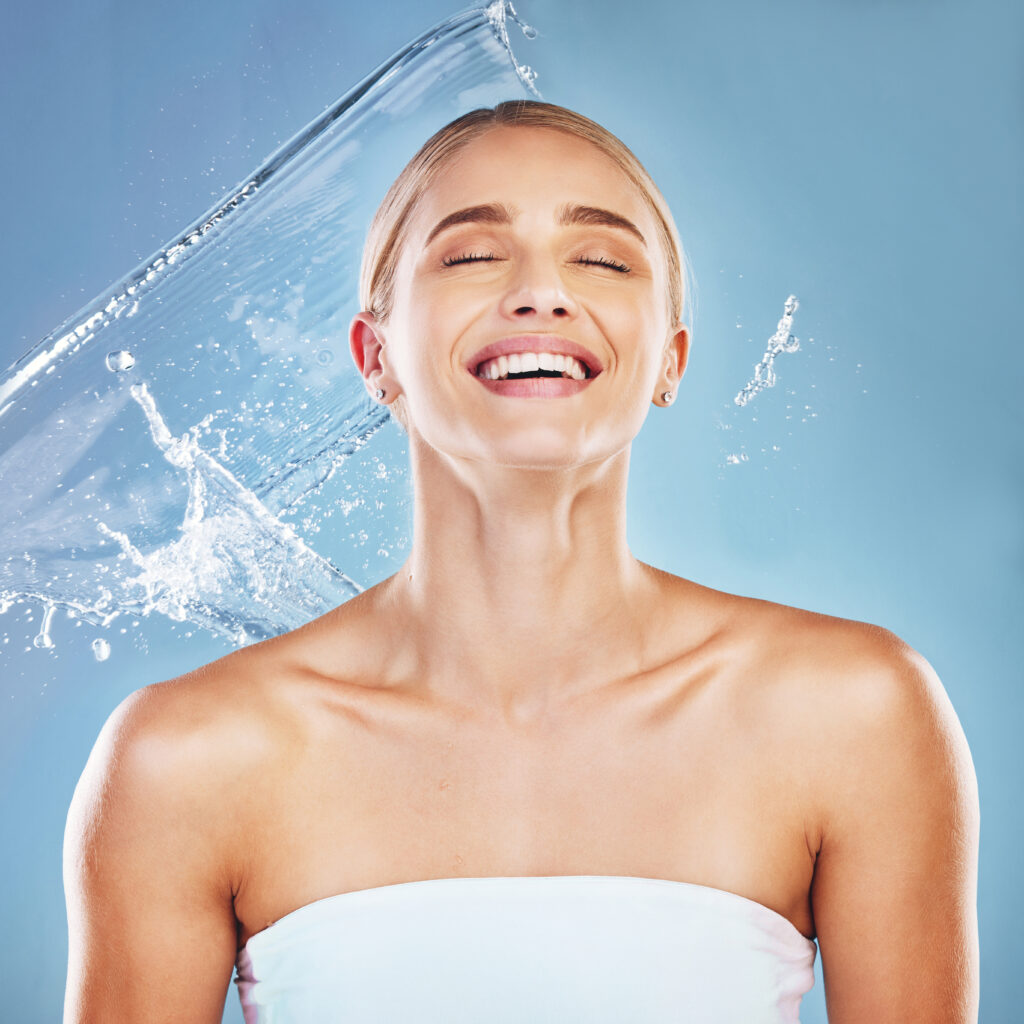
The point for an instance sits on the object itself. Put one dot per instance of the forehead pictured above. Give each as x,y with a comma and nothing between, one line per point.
533,171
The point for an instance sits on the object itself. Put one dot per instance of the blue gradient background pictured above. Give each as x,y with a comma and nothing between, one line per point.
864,155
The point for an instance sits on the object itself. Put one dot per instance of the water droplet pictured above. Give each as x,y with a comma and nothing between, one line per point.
120,360
43,639
100,649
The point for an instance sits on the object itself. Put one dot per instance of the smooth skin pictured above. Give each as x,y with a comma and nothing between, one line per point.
524,697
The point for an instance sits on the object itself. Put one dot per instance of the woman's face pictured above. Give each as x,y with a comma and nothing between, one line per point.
534,253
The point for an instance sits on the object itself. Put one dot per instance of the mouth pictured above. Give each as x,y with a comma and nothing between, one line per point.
536,357
527,365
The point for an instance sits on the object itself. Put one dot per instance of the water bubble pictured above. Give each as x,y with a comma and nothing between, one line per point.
120,360
735,460
100,649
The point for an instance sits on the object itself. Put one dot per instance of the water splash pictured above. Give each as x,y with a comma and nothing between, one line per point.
499,14
204,509
781,341
241,590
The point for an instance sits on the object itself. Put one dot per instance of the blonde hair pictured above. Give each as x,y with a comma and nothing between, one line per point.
382,249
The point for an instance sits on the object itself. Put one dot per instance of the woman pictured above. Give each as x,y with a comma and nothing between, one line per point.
619,795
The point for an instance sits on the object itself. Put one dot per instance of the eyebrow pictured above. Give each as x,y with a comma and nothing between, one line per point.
573,213
568,215
486,213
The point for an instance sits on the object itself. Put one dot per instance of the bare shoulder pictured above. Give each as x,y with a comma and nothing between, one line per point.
890,797
165,754
861,710
156,839
890,754
187,741
840,679
896,813
195,745
865,693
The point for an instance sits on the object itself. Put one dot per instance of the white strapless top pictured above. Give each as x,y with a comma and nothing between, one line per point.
552,949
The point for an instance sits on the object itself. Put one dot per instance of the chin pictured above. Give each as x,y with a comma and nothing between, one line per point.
545,450
529,445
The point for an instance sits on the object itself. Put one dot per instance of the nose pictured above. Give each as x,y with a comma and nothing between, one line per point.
537,290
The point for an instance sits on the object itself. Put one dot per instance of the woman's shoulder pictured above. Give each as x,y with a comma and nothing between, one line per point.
189,736
241,713
159,830
796,639
858,701
164,737
827,674
837,664
862,715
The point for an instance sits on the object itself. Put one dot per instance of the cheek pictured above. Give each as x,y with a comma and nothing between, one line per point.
436,331
423,352
641,334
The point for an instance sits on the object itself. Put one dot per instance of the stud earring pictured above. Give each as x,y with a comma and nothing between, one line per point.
666,396
379,393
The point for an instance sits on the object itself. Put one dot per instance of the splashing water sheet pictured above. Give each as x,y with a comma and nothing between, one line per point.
177,445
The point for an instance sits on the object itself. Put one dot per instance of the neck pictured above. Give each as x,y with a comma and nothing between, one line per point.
520,588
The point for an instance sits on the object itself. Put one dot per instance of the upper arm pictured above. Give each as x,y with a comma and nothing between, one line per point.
894,890
150,920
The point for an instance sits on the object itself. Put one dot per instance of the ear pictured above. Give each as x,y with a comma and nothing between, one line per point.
677,352
366,342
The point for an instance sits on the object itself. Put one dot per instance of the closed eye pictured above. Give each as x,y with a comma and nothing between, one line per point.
451,261
602,262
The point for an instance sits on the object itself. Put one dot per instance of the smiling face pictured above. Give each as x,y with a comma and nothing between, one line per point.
532,255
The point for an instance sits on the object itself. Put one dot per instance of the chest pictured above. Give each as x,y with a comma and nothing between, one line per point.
642,792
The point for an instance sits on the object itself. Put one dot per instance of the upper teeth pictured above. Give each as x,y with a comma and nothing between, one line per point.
526,362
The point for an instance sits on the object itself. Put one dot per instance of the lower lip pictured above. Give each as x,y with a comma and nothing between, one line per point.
536,387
